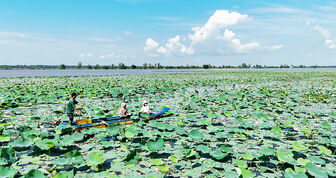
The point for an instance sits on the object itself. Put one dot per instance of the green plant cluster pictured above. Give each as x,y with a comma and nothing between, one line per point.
222,124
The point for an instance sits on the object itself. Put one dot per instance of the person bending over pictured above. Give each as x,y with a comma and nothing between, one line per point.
71,107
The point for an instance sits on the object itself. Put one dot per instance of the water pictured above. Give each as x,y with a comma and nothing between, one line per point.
55,72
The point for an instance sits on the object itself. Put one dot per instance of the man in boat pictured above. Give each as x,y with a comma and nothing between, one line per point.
71,107
145,108
123,110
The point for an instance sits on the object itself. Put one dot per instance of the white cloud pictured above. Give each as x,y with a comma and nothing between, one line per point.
214,38
173,46
150,45
324,32
330,43
275,47
220,20
86,55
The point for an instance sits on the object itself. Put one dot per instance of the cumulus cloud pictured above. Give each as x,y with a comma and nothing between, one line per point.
220,20
213,37
330,43
151,45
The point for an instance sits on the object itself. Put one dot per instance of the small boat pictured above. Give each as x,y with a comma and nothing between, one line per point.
103,122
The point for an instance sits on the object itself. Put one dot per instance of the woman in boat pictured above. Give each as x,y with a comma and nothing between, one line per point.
145,108
123,110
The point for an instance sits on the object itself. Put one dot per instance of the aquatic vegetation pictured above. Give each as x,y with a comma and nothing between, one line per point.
221,124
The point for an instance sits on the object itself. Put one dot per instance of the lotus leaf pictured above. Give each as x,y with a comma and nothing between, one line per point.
324,150
21,143
218,154
163,168
298,146
155,145
315,171
113,130
94,159
285,156
196,135
246,173
61,161
7,172
75,157
34,174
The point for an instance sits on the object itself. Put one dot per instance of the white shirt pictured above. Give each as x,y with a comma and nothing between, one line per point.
145,109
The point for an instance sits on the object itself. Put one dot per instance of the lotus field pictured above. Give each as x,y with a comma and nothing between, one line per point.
221,124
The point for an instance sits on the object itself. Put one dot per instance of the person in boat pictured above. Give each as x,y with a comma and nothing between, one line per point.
123,112
71,107
145,108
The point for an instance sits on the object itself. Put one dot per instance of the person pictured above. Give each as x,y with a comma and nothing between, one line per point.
71,107
123,110
145,108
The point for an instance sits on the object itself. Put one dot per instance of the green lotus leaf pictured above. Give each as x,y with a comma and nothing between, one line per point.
77,136
174,159
113,130
302,161
316,171
75,157
246,173
226,149
218,154
324,150
316,160
285,156
196,135
306,131
4,138
326,126
64,174
67,141
35,174
163,168
7,172
240,163
298,146
267,151
153,146
203,149
295,175
157,162
94,159
61,162
21,143
247,156
7,156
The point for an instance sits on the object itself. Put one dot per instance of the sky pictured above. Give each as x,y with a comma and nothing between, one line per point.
169,32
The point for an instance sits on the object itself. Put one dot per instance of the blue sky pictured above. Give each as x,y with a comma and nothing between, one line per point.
171,32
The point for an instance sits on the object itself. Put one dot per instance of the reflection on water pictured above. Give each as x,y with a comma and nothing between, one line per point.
55,72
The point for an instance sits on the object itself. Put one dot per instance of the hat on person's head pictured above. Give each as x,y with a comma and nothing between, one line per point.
73,94
123,104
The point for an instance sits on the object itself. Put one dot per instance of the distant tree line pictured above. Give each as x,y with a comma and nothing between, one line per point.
152,66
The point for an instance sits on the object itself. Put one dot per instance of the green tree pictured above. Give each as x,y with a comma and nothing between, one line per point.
79,65
62,66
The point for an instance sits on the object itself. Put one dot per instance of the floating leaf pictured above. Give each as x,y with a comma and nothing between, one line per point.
316,171
196,135
155,145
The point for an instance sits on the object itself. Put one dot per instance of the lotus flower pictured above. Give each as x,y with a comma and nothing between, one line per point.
95,138
223,119
272,134
296,129
157,170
